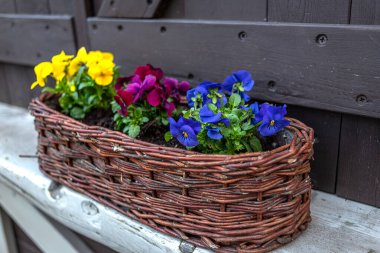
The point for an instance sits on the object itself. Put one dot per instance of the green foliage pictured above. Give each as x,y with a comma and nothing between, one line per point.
82,94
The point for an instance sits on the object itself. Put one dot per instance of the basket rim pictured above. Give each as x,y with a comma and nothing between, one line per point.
306,136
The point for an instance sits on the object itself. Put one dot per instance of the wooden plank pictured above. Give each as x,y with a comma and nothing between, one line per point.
365,12
19,79
326,124
32,6
327,129
309,11
358,171
129,8
80,22
47,237
42,36
4,93
359,160
7,6
7,235
219,10
24,243
288,64
61,7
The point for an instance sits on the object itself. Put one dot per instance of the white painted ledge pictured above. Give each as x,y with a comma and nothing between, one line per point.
338,225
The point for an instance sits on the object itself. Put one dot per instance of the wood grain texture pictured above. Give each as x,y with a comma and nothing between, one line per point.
327,129
309,11
32,6
29,39
18,79
305,73
359,154
359,160
326,124
129,8
365,12
7,6
252,10
61,7
4,93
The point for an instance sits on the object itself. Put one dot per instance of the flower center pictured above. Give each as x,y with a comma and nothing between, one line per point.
184,134
272,122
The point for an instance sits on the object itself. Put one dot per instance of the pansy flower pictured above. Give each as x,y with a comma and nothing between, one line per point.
214,133
196,96
255,111
143,71
174,89
124,99
185,130
138,88
208,116
241,82
272,119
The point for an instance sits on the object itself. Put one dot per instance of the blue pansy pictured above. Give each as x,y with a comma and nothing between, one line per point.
241,82
221,101
214,133
193,95
209,85
272,119
185,130
215,90
208,116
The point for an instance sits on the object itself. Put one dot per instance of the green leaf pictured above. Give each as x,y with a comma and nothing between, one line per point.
234,99
144,119
164,121
134,130
91,99
49,89
255,144
212,107
186,114
85,84
77,113
168,136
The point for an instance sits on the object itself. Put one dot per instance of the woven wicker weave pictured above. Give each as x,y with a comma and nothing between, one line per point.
250,202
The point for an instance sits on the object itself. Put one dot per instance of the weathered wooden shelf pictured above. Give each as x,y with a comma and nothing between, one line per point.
338,225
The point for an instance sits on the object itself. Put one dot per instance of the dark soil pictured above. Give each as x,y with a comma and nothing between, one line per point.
154,133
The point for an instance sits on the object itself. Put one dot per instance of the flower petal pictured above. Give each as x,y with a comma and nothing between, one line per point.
154,98
174,128
214,133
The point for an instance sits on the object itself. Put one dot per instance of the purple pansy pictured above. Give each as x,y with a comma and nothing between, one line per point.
143,71
272,119
174,89
138,88
124,99
185,130
121,82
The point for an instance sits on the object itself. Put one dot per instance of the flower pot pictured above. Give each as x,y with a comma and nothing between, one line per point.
249,202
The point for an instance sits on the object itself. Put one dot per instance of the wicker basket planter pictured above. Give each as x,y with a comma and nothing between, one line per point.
251,202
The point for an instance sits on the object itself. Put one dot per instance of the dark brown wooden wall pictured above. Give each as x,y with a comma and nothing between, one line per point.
319,56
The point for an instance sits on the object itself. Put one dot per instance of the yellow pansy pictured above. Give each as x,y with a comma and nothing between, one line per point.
42,71
59,63
72,87
102,72
94,57
80,59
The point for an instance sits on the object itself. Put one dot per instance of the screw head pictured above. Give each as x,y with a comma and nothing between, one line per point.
321,40
361,99
242,35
